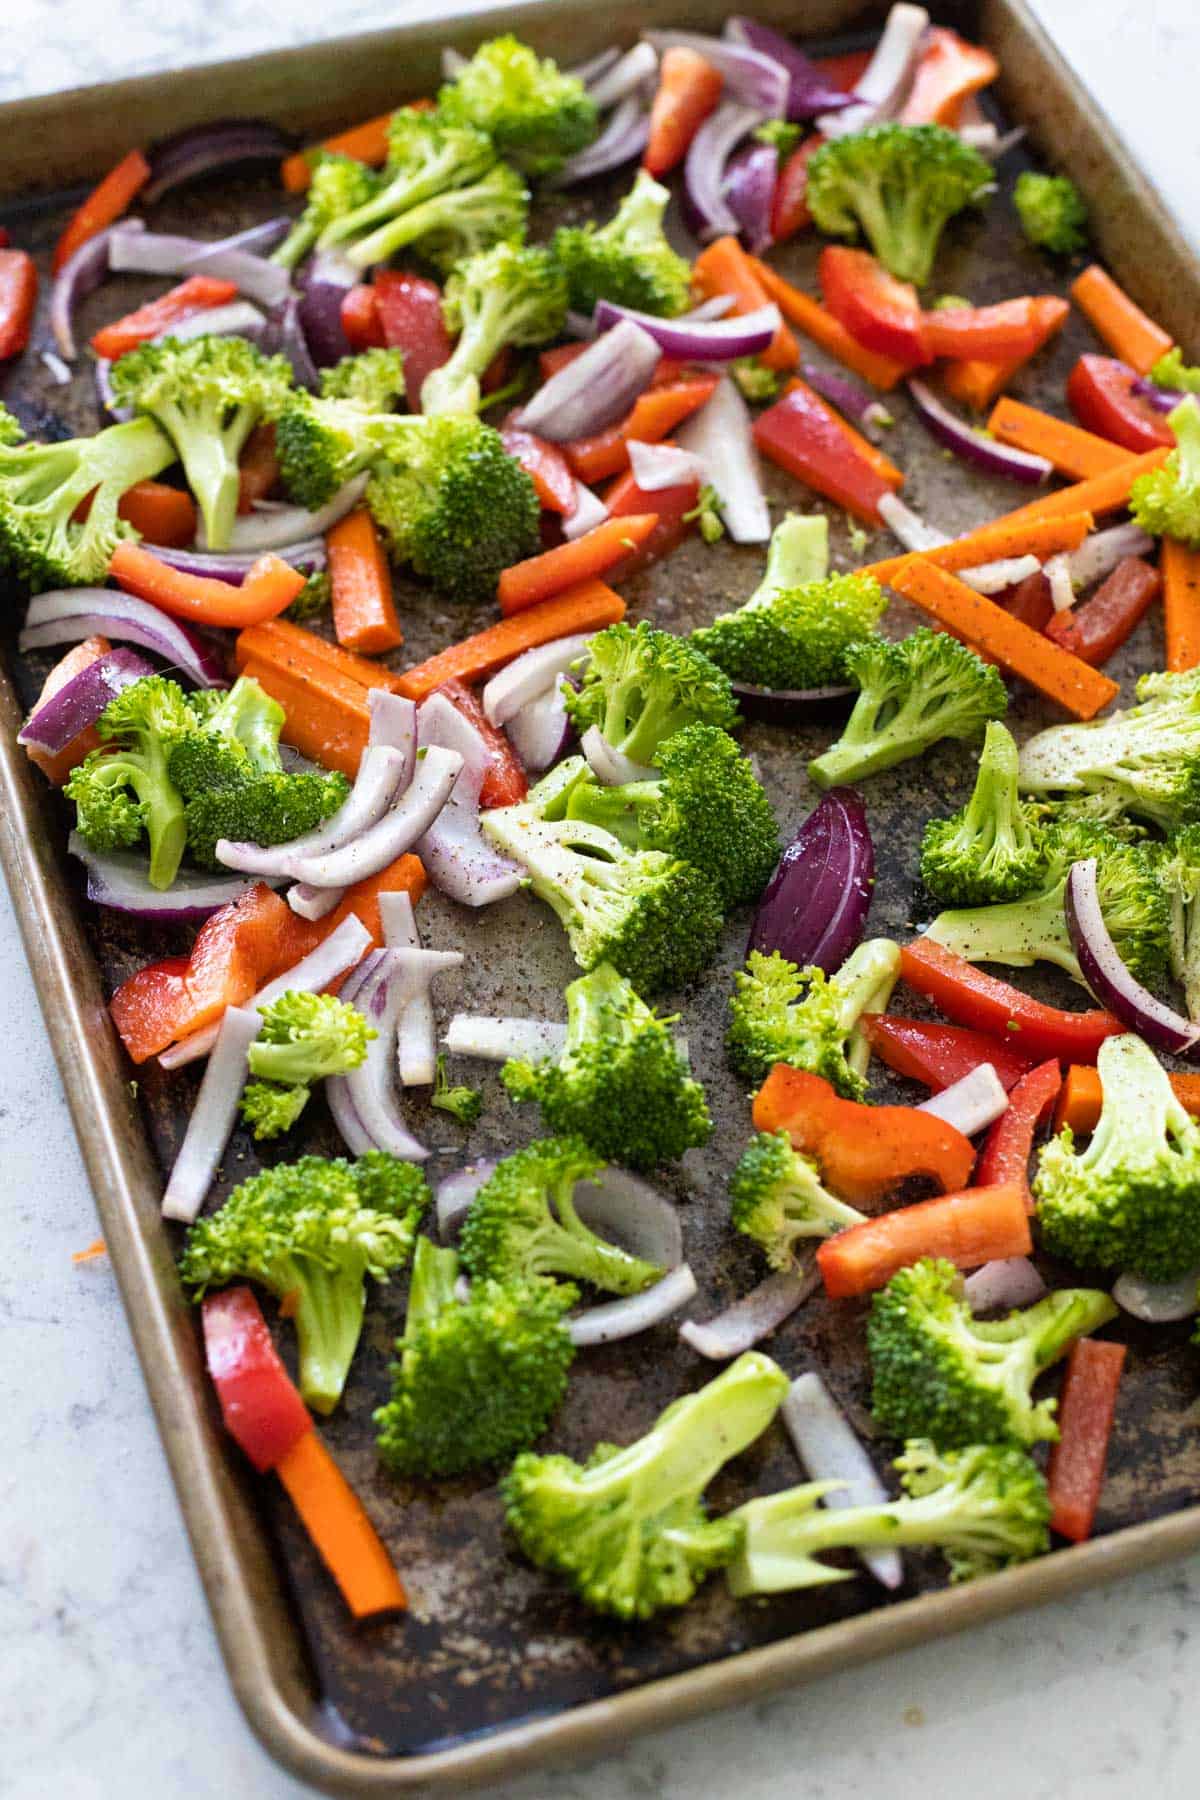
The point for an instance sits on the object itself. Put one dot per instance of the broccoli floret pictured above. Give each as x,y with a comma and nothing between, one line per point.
42,486
781,1014
311,1232
304,1037
984,1507
340,186
475,1379
621,1084
1148,753
323,442
1131,1199
11,429
427,156
313,599
271,1110
455,224
706,515
992,849
1051,210
523,1223
754,643
758,383
1034,928
776,1198
1166,500
941,1374
373,378
1173,374
208,394
628,1528
462,1103
511,294
1179,873
900,184
629,260
536,115
655,918
781,134
643,685
911,695
707,806
796,637
126,787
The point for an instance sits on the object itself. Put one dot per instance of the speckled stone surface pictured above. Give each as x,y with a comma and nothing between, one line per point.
110,1678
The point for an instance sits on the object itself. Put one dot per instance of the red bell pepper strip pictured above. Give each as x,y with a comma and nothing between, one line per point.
845,70
807,438
996,334
504,781
655,413
789,207
1030,601
976,384
196,294
819,324
18,297
1100,626
971,997
1009,1144
1086,1407
949,71
410,312
1100,394
672,505
545,465
259,1404
978,1225
937,1054
268,589
688,90
360,318
5,239
104,205
882,313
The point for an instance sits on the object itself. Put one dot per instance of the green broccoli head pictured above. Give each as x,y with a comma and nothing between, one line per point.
126,788
535,114
1052,212
629,260
1173,374
512,294
271,1110
11,429
311,1232
313,599
992,849
796,637
643,685
781,1014
324,441
373,378
305,1037
459,222
776,1198
42,486
475,1379
941,1374
898,184
985,1507
340,186
622,1084
1131,1199
628,1529
1166,501
427,157
911,695
462,1103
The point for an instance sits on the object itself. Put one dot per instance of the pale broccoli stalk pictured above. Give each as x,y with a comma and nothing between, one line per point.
509,295
426,157
991,849
779,1013
339,185
1179,873
1166,501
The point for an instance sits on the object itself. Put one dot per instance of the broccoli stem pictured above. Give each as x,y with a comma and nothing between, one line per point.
1051,1326
329,1316
434,1274
798,553
1016,932
864,984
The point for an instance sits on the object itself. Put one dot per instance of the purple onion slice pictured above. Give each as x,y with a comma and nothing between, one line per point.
80,701
815,906
199,149
971,445
1108,977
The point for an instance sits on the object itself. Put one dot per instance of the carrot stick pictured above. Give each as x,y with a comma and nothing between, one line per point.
96,1249
1073,451
163,515
343,1535
104,204
258,467
1075,1472
367,142
976,383
269,587
326,717
1122,325
364,609
591,555
280,641
724,268
655,414
1099,494
810,317
588,607
990,543
1180,569
1082,1095
1053,671
974,1226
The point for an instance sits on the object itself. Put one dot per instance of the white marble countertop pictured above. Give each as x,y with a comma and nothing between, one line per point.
110,1679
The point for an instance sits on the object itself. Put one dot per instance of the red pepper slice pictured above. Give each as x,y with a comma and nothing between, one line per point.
504,782
948,71
196,294
1030,601
937,1054
789,208
410,312
545,465
1009,1144
671,504
974,998
805,437
656,412
360,318
1100,626
1085,1415
997,334
259,1404
1100,394
883,314
18,297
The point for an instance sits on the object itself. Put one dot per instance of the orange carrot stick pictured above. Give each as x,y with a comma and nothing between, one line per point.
810,317
586,608
724,268
1099,494
969,1228
1053,671
333,1516
364,608
1082,1095
991,543
1073,451
976,384
268,589
1180,569
163,515
367,142
589,556
326,717
1118,321
655,414
278,640
103,206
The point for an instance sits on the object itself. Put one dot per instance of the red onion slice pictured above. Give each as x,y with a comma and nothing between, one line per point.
994,577
1099,554
829,1449
278,528
234,566
814,908
791,706
749,192
971,445
327,280
755,1316
809,91
496,1040
972,1103
658,466
350,1127
596,389
867,412
66,615
458,859
750,76
394,979
1159,1302
239,318
1109,979
530,675
612,1320
452,1200
1057,570
1009,1282
407,819
393,726
624,136
313,903
199,149
542,731
374,791
588,71
118,880
79,276
57,368
416,1043
1163,400
80,701
213,1116
704,340
610,767
399,922
721,436
914,532
159,253
629,74
441,724
886,79
587,512
706,208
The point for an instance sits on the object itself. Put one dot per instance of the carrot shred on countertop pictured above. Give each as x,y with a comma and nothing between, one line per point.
95,1250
